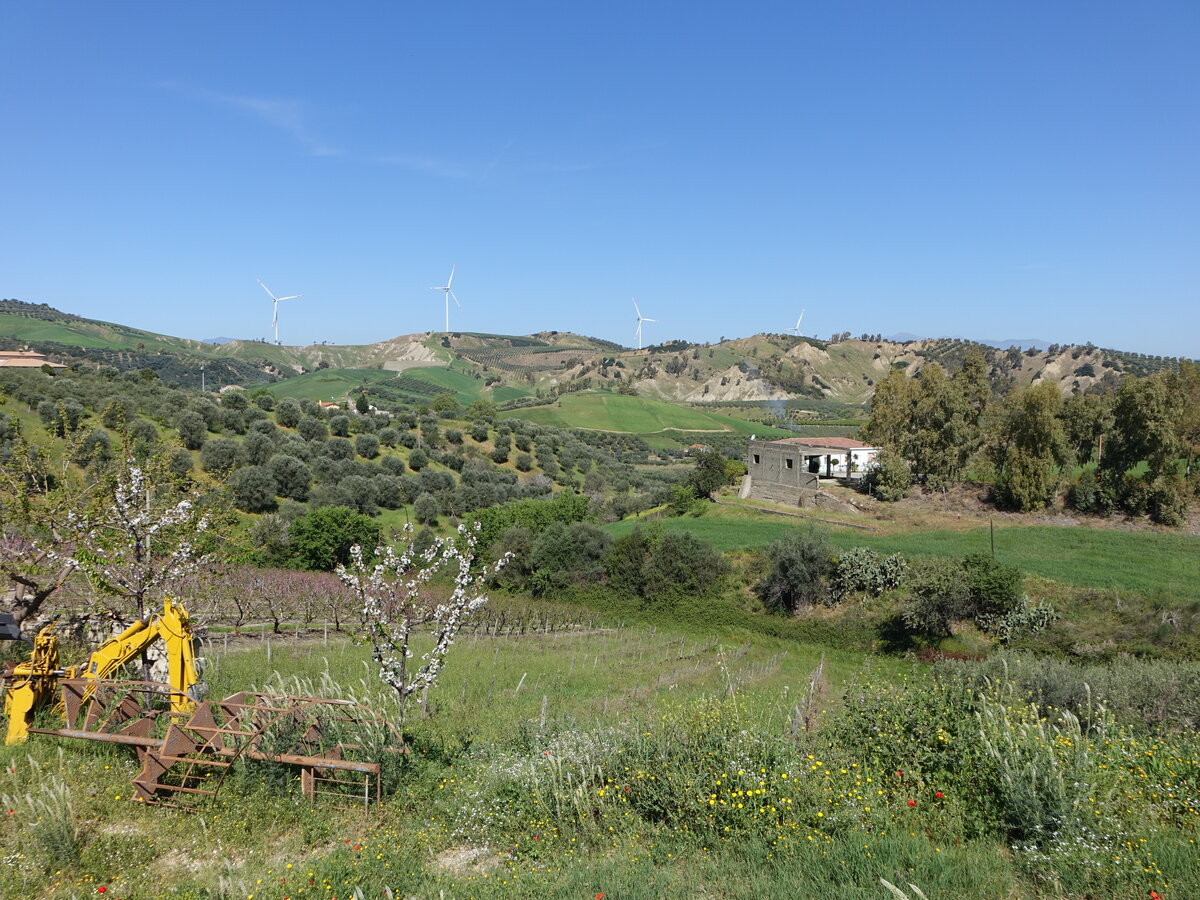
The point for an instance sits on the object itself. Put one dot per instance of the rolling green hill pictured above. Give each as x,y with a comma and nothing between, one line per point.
604,411
327,384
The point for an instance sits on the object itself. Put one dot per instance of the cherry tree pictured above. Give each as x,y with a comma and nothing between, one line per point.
142,533
396,603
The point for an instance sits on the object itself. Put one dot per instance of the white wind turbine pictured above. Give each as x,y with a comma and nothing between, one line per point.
448,294
275,312
796,328
640,320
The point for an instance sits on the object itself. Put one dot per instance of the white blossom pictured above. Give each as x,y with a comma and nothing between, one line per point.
393,609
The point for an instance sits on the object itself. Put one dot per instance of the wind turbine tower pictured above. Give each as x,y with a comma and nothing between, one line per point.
275,311
448,294
640,320
795,329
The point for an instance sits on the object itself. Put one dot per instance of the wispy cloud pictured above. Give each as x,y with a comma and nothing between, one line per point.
295,119
433,165
290,116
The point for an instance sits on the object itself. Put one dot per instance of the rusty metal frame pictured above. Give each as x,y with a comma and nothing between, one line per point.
192,753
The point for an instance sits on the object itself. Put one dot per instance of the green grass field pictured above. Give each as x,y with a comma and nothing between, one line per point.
604,760
87,334
465,388
326,384
603,411
1144,563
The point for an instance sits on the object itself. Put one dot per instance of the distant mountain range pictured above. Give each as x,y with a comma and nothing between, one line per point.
217,340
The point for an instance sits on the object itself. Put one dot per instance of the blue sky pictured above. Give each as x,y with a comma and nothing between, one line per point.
1005,170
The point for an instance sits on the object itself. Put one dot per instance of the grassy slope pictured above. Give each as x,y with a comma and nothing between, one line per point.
326,384
1147,563
638,415
92,334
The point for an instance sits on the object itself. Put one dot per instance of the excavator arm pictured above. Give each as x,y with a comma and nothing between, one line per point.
34,682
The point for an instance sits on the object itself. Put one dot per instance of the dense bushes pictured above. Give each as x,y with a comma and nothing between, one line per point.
946,590
321,539
890,477
657,566
799,567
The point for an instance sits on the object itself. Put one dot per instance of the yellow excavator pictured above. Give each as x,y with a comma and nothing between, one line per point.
33,684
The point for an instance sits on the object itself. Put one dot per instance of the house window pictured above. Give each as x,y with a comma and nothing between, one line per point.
756,459
788,462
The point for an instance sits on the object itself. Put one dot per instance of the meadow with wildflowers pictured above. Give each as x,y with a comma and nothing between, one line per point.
624,760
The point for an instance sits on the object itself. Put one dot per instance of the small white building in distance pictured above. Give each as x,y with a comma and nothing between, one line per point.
789,470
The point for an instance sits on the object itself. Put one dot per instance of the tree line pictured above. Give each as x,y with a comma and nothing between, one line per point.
1131,449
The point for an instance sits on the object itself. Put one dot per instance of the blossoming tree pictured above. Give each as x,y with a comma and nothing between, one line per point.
395,605
142,534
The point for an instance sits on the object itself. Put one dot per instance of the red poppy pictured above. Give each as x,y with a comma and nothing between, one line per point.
1155,895
912,802
599,897
900,773
101,889
939,795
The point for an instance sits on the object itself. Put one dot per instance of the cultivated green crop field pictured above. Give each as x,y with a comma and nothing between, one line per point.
327,384
465,388
1145,563
603,411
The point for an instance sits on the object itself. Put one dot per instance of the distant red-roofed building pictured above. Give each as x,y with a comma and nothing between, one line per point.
26,359
789,470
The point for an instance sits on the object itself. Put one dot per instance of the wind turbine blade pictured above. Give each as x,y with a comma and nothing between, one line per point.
635,306
292,297
265,288
275,315
451,293
450,281
649,320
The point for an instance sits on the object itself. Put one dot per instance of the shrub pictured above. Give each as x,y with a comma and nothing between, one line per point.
312,429
94,447
393,465
292,476
524,462
680,565
221,456
253,489
338,448
321,540
287,412
179,461
946,590
658,566
360,493
426,509
339,426
258,448
418,459
567,554
192,429
367,446
890,477
799,566
861,569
